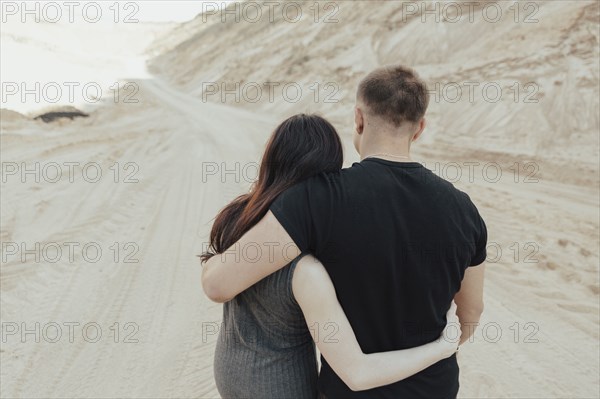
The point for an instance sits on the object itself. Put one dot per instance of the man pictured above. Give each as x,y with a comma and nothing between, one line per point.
396,240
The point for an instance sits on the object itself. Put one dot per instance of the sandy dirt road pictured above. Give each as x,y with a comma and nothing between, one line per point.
158,212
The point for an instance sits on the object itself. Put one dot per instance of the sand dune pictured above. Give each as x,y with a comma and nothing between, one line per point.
541,291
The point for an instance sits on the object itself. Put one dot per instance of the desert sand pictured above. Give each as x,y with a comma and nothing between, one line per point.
540,329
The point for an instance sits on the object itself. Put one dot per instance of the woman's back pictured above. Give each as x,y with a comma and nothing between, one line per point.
264,348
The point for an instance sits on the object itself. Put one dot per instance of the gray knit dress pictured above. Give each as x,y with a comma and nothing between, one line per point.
264,349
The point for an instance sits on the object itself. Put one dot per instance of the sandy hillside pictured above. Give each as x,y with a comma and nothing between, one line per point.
542,215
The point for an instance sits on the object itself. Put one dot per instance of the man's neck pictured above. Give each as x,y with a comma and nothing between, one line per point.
396,152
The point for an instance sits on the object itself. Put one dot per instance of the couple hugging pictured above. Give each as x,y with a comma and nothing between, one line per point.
388,278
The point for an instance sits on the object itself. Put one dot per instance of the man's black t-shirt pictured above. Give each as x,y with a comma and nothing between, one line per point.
396,241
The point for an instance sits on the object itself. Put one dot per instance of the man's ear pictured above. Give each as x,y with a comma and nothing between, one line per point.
420,128
359,121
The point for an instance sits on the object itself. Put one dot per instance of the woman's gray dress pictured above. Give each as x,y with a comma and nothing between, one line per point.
265,349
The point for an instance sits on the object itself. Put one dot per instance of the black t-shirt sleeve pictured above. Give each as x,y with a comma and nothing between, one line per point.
305,212
480,243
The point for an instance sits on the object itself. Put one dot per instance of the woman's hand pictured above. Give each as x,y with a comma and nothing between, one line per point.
450,338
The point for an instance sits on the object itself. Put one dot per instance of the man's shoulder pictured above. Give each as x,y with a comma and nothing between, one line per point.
341,176
312,187
326,179
447,187
465,199
452,196
321,187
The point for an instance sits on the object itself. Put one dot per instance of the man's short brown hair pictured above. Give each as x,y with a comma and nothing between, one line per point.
394,93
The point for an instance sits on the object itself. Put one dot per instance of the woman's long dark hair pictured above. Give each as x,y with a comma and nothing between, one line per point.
300,147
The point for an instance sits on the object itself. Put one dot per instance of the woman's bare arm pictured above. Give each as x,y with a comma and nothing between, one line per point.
263,250
316,296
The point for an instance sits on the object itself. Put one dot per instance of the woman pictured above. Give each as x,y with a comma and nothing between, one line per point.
265,348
